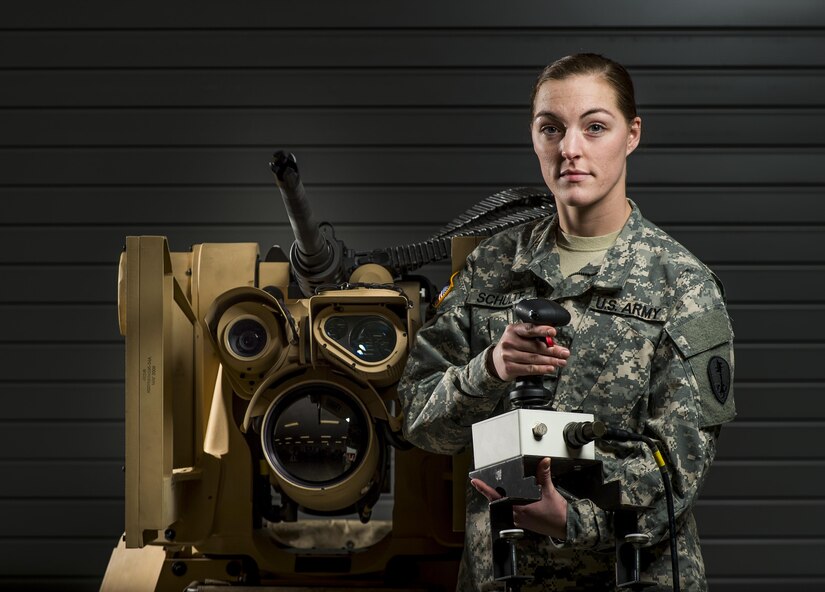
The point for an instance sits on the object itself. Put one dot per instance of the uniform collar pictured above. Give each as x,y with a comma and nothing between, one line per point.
618,261
540,255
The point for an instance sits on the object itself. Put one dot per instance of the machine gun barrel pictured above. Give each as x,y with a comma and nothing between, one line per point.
316,256
312,248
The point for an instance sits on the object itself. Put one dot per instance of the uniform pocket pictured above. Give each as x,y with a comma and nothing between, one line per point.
487,326
498,322
608,372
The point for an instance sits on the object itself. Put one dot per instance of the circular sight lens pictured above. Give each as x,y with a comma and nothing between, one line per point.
373,339
336,328
319,435
247,338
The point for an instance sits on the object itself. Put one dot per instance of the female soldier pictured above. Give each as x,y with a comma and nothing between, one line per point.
648,349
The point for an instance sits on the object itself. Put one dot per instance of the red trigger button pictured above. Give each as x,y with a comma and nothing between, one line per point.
549,341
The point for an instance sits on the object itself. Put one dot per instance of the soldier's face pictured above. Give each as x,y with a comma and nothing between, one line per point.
582,141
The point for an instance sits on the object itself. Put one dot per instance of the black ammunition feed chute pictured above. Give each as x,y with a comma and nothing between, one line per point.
318,258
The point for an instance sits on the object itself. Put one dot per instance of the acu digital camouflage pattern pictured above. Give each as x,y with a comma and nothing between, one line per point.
644,328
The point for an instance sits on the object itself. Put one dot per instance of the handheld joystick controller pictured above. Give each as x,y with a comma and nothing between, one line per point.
529,391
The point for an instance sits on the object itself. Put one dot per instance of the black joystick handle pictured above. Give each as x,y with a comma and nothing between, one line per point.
542,312
529,391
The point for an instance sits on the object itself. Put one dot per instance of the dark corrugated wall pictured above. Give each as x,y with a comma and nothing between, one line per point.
130,119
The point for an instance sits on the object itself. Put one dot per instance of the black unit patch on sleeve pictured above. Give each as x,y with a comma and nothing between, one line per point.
719,376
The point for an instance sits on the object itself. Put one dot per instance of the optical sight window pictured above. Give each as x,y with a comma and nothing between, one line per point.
247,338
317,436
337,329
371,338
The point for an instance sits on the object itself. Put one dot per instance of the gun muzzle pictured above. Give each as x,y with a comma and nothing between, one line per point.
315,257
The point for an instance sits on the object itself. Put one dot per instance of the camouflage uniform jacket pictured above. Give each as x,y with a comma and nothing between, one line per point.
649,332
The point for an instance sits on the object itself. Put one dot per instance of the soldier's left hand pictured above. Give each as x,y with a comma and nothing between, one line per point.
548,516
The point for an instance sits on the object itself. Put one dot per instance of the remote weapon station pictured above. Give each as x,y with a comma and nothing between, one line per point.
263,431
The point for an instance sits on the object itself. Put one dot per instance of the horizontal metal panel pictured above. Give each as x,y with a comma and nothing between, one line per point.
773,283
503,167
63,402
387,87
763,558
753,284
62,440
56,557
51,584
786,583
105,362
45,401
766,519
780,401
32,323
264,48
775,323
737,558
365,127
61,363
428,205
35,323
62,518
84,440
790,440
714,245
727,480
743,205
59,284
777,362
426,13
736,518
63,479
296,127
99,244
733,519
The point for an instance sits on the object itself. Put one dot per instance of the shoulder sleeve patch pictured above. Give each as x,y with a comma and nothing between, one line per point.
446,290
706,343
701,333
719,378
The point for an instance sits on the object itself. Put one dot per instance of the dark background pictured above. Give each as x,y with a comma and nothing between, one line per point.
131,118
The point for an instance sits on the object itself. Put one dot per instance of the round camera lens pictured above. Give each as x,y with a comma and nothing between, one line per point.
247,338
336,328
319,435
373,339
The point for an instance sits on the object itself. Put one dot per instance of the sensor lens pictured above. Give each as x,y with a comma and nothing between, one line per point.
372,339
337,328
247,338
316,435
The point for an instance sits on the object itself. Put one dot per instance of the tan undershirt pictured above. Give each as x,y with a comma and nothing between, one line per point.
577,251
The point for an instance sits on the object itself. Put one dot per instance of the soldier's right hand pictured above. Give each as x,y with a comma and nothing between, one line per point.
522,351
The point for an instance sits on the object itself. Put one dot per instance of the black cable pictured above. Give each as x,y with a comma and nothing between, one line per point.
671,512
624,435
498,212
577,434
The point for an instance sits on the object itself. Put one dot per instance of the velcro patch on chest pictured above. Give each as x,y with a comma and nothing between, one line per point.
630,308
